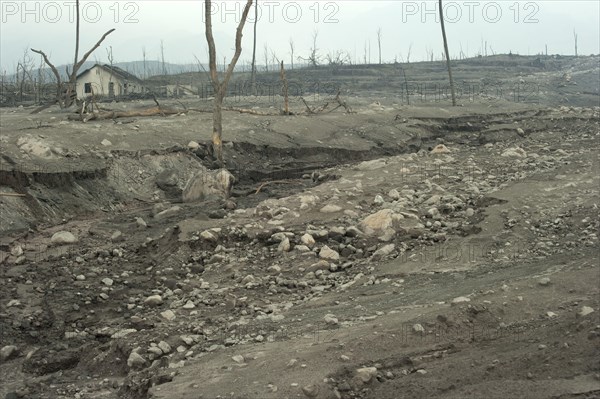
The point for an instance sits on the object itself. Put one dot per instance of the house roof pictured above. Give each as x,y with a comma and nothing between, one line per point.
123,74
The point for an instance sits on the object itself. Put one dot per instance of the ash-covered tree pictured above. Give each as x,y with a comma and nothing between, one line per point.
66,90
220,86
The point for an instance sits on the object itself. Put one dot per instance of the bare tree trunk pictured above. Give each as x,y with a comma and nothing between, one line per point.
447,55
292,52
66,100
220,87
575,37
379,43
286,102
253,75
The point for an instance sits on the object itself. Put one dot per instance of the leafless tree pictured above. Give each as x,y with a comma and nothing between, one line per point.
336,58
313,58
408,54
220,87
379,43
266,54
162,58
253,74
66,100
447,55
575,38
292,52
144,61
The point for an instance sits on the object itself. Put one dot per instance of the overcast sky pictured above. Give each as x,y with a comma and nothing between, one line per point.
523,27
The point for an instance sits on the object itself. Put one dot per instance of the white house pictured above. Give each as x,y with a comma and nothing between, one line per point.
107,81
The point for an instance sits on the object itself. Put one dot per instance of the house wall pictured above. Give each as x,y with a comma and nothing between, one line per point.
100,79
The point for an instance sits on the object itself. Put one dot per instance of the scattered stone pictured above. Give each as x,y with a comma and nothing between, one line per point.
8,352
440,149
514,153
378,222
307,240
208,236
394,194
331,320
383,251
328,253
584,311
192,145
544,282
107,281
310,391
189,305
106,143
239,359
378,200
141,222
331,209
63,237
353,231
207,184
153,300
164,347
460,299
418,328
366,374
117,236
135,360
16,251
284,245
168,315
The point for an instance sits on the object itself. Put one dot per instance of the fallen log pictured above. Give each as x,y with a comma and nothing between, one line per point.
97,115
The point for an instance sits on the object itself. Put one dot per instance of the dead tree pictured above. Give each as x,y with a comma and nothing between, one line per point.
575,38
314,57
379,43
220,87
65,99
253,74
292,52
447,55
284,87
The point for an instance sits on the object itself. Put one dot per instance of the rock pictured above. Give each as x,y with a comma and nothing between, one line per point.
8,352
353,231
515,152
584,311
307,240
80,277
378,200
418,328
330,209
168,315
544,282
153,300
16,251
383,251
469,212
209,236
207,184
135,360
106,143
440,149
284,245
379,222
320,265
107,281
310,391
117,236
366,374
372,165
63,237
189,305
239,359
394,194
331,320
192,145
164,347
141,222
168,212
460,299
328,253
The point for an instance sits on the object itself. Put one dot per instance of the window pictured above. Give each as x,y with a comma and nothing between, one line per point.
88,88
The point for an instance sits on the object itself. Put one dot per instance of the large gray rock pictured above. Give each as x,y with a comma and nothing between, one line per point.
63,237
207,184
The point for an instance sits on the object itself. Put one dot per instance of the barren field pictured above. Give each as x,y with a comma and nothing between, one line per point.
403,250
